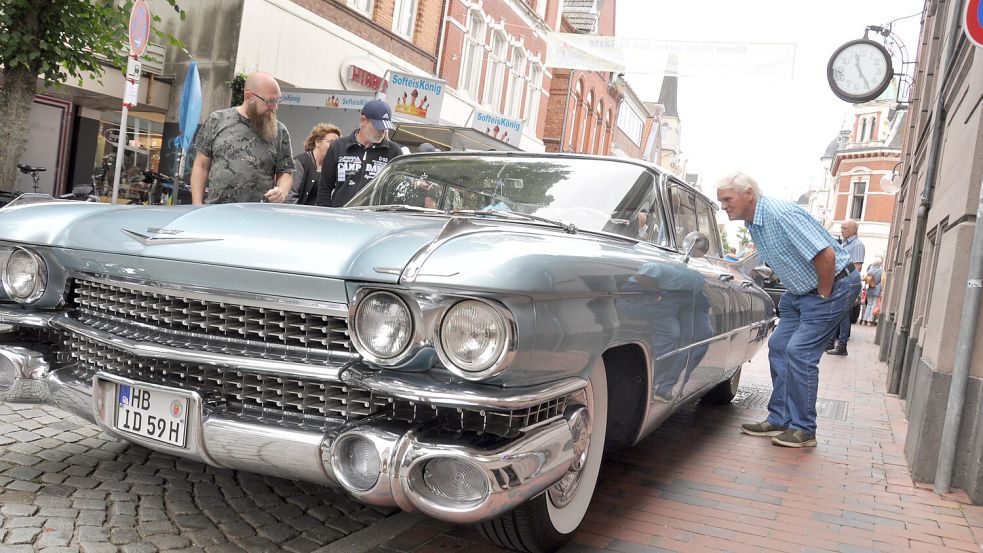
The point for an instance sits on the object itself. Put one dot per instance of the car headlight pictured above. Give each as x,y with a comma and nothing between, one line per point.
25,276
474,337
383,325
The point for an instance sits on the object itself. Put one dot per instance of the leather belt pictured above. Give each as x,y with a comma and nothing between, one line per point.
846,270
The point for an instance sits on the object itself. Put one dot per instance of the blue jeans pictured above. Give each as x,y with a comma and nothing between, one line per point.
806,323
842,335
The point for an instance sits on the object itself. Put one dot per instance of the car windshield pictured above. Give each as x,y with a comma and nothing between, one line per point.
591,194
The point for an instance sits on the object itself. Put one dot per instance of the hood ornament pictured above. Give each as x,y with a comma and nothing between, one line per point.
159,235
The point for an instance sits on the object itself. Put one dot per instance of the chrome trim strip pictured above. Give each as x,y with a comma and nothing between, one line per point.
452,395
279,303
33,319
715,338
148,240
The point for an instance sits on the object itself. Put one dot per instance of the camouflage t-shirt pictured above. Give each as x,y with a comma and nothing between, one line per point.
243,164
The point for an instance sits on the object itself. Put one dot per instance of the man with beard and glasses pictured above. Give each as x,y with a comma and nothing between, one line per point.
244,153
354,160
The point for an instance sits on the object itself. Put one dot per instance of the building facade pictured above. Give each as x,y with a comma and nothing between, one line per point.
929,252
869,149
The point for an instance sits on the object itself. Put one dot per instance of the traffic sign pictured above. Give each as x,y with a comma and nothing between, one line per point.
973,21
139,28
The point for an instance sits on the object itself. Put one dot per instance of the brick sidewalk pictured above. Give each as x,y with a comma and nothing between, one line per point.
698,484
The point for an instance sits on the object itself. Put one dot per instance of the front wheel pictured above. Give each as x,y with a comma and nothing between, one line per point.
548,521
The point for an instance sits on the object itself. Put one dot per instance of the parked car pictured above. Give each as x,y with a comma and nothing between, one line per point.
464,339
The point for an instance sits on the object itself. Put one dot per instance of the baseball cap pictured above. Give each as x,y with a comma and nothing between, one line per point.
378,112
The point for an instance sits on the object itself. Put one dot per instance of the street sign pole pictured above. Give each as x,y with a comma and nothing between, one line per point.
139,34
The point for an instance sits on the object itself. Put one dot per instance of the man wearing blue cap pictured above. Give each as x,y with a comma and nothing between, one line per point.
355,160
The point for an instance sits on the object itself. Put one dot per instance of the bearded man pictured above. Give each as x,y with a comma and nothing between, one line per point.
244,153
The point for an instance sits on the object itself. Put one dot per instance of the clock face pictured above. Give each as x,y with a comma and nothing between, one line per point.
860,71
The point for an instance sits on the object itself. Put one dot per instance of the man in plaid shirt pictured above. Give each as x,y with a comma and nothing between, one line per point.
822,283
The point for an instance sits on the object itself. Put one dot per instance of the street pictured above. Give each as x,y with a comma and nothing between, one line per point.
69,487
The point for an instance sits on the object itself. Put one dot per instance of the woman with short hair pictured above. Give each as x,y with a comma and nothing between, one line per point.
307,164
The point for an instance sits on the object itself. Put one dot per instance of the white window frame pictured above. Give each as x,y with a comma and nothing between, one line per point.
472,54
532,97
404,17
630,123
517,81
865,197
361,6
665,133
498,47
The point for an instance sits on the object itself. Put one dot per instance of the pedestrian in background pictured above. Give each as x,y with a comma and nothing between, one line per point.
874,279
822,283
853,246
353,161
244,153
307,164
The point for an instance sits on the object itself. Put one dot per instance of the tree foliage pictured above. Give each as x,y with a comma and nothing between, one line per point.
57,41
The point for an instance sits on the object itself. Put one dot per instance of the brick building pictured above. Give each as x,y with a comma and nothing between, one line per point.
582,112
869,149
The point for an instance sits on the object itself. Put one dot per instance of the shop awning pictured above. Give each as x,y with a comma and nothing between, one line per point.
448,138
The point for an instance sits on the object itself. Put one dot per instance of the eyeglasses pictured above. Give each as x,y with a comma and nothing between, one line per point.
269,103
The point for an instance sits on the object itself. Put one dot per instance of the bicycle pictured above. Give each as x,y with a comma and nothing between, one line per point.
33,171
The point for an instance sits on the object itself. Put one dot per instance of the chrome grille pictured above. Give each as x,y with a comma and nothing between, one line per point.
214,326
301,402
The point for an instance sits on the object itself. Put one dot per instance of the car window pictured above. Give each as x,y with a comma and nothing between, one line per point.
706,220
683,205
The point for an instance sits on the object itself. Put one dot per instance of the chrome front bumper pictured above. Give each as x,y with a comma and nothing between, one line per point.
513,473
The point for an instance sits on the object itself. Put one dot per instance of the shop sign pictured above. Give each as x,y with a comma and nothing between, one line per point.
413,98
362,74
503,128
325,99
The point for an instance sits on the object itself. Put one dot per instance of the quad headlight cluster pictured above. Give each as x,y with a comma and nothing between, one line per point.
473,338
25,276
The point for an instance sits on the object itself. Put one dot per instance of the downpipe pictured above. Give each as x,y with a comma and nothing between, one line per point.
964,353
918,247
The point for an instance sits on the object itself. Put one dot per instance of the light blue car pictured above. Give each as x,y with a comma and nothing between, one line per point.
464,339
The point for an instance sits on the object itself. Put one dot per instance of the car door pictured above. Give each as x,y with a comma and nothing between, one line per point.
708,341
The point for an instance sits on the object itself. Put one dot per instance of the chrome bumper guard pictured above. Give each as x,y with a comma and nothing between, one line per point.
512,473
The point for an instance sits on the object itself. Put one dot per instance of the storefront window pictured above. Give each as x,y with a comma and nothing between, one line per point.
141,152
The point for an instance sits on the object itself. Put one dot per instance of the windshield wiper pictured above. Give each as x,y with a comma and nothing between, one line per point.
396,207
569,228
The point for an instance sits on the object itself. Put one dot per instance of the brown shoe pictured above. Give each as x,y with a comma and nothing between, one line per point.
763,428
795,438
836,351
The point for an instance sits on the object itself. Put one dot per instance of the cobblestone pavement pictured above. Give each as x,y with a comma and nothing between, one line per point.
65,486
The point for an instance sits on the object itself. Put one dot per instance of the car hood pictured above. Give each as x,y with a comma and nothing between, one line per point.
338,243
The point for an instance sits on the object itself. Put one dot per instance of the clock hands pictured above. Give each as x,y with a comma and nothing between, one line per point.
856,60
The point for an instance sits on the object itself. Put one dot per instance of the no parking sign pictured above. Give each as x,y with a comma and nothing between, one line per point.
973,21
139,28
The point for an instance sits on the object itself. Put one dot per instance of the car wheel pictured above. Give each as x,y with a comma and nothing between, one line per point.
725,392
548,521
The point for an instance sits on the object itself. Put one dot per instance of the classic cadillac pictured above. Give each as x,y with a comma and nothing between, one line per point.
464,339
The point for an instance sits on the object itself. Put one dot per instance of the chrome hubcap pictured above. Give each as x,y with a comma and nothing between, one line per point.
564,490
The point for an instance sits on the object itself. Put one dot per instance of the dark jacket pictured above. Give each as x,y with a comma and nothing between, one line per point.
348,167
306,178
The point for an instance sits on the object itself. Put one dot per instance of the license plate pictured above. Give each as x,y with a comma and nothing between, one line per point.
158,415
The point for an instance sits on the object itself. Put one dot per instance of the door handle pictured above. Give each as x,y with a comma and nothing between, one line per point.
726,277
747,283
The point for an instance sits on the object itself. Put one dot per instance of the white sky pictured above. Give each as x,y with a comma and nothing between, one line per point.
774,130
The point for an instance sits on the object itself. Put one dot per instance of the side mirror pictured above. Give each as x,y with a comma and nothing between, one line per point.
764,271
696,244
